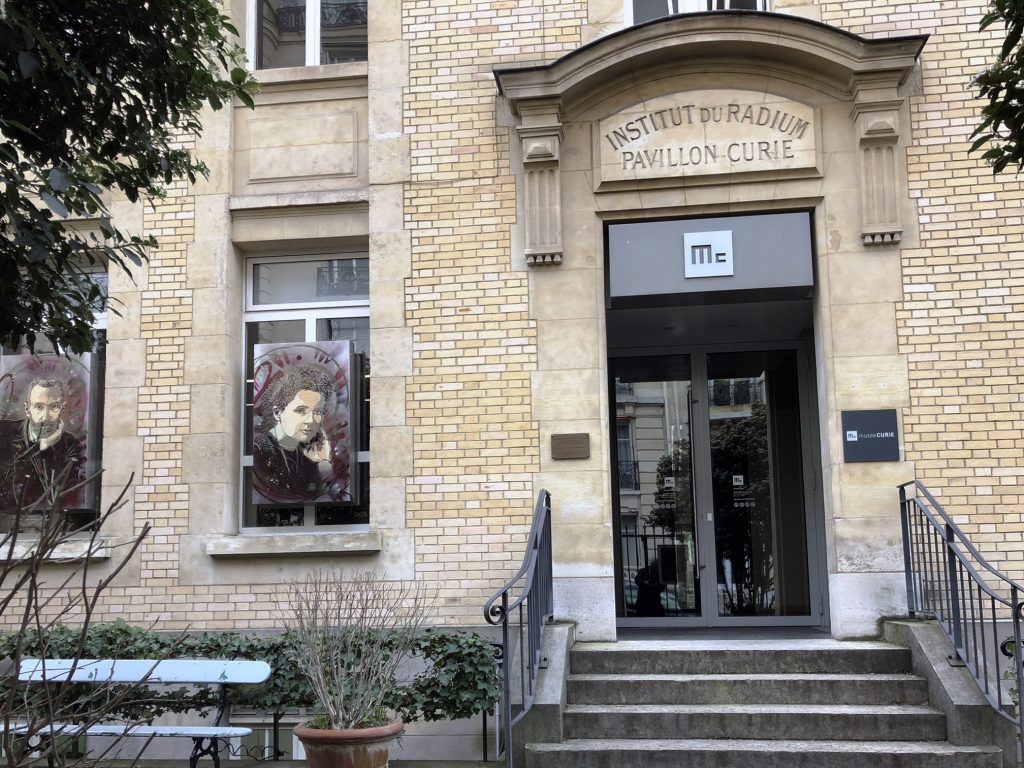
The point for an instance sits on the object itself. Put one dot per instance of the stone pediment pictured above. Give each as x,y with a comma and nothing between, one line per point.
817,55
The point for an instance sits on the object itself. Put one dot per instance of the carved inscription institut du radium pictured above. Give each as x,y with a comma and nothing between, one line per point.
707,132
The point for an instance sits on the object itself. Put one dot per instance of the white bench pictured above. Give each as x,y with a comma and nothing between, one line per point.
149,672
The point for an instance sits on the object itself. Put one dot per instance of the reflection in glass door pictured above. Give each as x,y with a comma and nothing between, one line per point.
760,536
711,461
659,575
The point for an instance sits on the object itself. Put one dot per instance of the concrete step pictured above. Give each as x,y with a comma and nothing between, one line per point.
735,689
802,657
765,722
674,753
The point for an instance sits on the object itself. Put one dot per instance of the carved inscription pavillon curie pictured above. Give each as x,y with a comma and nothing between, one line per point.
707,132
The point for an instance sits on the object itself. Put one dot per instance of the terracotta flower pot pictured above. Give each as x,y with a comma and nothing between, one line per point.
356,748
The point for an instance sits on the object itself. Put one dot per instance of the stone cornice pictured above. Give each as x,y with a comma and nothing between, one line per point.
830,58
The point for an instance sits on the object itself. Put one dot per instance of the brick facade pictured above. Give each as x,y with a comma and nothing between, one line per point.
959,319
463,400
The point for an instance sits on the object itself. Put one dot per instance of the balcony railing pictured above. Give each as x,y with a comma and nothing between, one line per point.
292,19
629,475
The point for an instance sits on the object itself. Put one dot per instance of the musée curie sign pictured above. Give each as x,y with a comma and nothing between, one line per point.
707,132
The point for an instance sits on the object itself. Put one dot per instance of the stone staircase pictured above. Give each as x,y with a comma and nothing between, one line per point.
747,704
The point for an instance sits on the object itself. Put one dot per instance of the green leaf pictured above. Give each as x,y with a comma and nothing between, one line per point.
102,120
59,180
54,204
28,64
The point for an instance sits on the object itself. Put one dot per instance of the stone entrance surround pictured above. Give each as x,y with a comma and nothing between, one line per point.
704,116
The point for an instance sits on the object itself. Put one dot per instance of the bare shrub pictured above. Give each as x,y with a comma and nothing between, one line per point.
350,633
46,580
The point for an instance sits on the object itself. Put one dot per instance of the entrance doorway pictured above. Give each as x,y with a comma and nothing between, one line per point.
713,520
717,505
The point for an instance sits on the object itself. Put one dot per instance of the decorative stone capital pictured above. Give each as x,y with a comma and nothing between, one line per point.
539,148
877,119
878,130
541,189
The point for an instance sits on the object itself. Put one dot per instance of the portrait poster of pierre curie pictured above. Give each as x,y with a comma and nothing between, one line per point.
44,407
302,434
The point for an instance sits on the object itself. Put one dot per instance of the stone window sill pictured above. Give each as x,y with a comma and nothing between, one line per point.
74,550
256,205
286,76
292,544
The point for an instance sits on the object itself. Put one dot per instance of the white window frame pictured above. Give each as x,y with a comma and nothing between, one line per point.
316,306
673,7
310,313
312,33
630,439
99,321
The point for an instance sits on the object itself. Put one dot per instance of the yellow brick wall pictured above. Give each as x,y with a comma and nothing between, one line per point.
161,494
960,321
470,499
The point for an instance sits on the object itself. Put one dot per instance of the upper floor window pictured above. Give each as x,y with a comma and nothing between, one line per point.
639,11
306,452
297,33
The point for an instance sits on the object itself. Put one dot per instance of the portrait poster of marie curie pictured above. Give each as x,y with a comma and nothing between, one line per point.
301,427
44,407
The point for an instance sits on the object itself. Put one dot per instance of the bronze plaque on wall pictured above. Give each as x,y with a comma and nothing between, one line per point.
570,446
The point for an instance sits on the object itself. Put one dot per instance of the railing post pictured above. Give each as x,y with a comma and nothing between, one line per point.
954,591
1018,662
908,570
506,703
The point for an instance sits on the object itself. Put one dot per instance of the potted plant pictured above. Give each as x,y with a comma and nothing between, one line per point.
350,633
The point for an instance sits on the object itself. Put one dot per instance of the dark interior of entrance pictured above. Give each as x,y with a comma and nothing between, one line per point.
711,447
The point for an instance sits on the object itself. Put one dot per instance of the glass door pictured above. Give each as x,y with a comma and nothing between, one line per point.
757,511
711,489
659,576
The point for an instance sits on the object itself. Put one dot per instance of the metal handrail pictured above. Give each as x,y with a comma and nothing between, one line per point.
950,580
533,605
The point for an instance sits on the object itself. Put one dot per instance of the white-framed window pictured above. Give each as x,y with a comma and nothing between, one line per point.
51,427
639,11
306,436
305,33
629,468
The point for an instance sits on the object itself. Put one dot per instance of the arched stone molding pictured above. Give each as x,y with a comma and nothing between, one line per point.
844,66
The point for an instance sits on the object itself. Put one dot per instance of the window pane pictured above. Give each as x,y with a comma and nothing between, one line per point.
645,10
281,37
314,281
102,281
269,515
357,330
343,29
736,5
